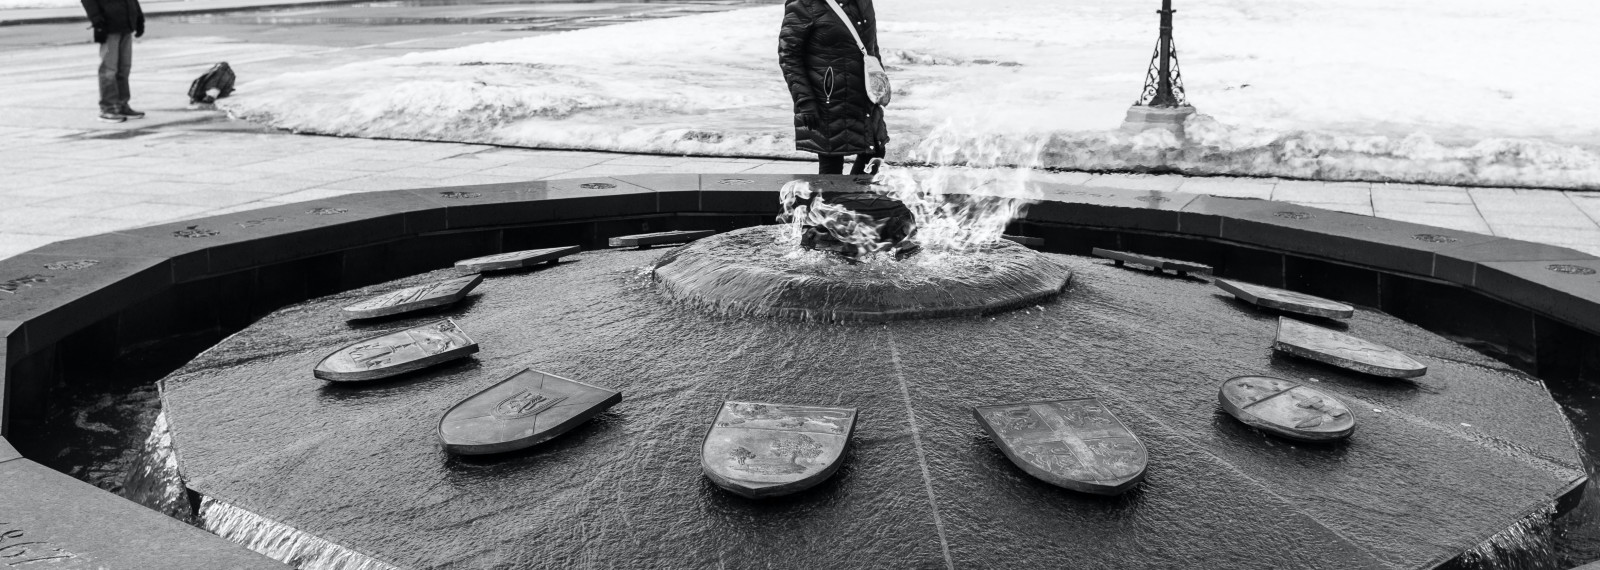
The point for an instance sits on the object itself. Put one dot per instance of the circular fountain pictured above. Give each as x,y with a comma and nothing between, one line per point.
1439,464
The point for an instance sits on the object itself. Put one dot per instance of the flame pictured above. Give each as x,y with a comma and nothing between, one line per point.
963,199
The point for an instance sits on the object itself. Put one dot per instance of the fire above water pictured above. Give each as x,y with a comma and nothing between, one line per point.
957,209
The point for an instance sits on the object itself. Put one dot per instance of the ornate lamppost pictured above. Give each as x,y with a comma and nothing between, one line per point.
1162,103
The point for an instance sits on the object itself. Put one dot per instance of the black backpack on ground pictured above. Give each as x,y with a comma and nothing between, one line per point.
220,78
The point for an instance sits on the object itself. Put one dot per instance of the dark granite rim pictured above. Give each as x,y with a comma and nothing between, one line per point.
93,297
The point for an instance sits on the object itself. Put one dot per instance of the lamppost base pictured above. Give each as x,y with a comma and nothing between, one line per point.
1141,118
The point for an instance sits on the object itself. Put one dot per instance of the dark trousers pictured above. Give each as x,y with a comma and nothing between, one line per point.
834,163
116,60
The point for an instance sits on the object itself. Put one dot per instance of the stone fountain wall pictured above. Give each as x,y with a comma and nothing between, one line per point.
77,305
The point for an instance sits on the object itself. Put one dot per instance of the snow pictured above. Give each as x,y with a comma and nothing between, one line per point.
1481,92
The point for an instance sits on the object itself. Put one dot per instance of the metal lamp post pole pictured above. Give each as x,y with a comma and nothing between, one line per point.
1164,96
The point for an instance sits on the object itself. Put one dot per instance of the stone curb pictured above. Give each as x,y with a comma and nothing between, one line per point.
77,302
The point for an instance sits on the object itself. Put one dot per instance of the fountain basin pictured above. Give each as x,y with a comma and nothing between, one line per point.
922,486
746,272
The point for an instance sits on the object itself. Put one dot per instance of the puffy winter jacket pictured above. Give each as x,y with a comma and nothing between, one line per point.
823,66
115,16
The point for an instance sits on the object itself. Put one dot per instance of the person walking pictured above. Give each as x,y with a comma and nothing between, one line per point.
115,23
833,114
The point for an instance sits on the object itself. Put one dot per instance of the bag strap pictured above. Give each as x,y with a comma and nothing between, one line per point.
848,24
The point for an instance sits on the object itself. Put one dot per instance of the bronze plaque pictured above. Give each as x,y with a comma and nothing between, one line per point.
1286,301
1286,408
1345,351
437,294
760,450
1077,444
660,238
527,409
516,259
397,353
1158,263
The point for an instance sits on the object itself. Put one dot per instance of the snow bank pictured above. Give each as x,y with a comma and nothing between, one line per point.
1467,92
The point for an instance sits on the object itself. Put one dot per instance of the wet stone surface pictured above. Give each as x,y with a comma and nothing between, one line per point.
1345,351
362,464
1158,263
659,238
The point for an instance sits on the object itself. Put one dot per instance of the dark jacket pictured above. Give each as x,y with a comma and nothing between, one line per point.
823,66
115,16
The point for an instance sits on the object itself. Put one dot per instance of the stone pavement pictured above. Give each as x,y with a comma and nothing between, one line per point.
63,175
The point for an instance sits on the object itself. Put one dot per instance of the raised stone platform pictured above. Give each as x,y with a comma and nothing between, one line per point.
747,272
1437,466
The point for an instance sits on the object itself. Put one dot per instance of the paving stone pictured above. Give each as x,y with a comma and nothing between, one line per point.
674,192
397,353
52,520
1344,351
1230,187
760,450
529,408
1136,182
1076,444
1301,191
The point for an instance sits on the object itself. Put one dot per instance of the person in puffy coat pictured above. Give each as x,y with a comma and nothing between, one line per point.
116,23
833,116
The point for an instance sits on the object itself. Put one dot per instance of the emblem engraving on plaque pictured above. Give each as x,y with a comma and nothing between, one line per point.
326,211
596,185
460,195
73,265
763,450
523,404
1077,444
735,181
1153,200
1294,215
195,232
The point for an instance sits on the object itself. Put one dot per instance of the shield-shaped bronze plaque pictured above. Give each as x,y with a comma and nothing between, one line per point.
1286,408
660,238
527,409
397,353
765,450
1345,351
1286,301
437,294
1077,444
1158,263
516,259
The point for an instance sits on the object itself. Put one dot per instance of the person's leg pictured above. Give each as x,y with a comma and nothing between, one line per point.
124,68
110,51
830,164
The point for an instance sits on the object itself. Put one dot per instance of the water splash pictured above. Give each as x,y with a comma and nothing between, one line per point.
1529,544
282,542
153,479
